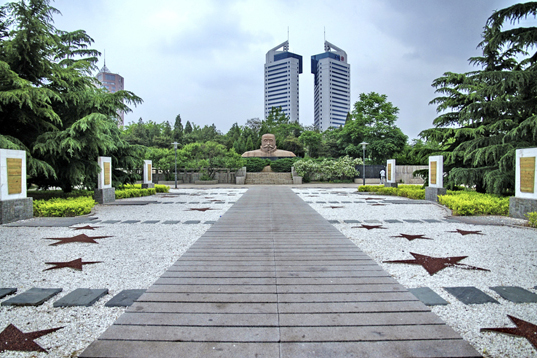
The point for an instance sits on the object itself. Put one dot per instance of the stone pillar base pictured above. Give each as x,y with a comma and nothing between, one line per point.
518,207
148,186
15,210
240,180
390,185
297,180
105,196
431,194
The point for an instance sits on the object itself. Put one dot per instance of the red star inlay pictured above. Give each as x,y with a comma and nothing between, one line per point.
75,264
368,227
435,264
412,237
523,329
464,232
87,227
77,238
199,209
13,339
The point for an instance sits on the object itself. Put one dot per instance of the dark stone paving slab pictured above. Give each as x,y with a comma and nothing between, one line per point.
210,222
393,221
150,221
334,221
515,294
470,295
133,202
428,296
171,222
81,297
346,202
194,202
412,221
351,221
130,221
373,221
190,222
33,297
110,221
320,202
125,298
273,278
6,292
181,202
432,221
53,222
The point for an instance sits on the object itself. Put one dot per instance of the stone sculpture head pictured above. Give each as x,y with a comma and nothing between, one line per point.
268,143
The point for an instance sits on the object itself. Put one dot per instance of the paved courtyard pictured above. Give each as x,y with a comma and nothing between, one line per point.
275,284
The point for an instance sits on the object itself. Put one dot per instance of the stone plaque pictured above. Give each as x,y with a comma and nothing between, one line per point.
432,173
107,173
14,175
527,174
389,171
149,172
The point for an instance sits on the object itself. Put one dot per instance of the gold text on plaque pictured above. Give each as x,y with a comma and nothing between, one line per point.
14,176
148,172
107,173
432,173
527,175
389,171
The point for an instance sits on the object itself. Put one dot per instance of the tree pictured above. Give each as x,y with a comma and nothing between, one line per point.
312,141
373,121
178,129
188,128
487,114
50,104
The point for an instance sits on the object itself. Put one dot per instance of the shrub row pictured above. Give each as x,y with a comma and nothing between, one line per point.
407,191
327,169
466,203
159,188
49,194
133,193
532,217
62,207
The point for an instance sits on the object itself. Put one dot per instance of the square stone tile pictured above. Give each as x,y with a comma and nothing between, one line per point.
110,221
346,202
33,297
412,221
428,296
7,291
230,202
358,202
125,298
321,202
210,222
393,221
150,221
81,297
515,294
351,221
194,202
470,295
171,222
373,221
432,221
130,221
333,202
190,222
333,221
180,202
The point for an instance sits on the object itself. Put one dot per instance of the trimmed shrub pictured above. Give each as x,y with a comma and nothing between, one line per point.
327,169
133,193
466,203
254,165
283,165
532,217
407,191
49,194
64,207
159,188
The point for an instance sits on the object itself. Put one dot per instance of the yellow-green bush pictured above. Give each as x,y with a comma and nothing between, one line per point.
532,217
472,203
159,188
133,193
64,207
407,191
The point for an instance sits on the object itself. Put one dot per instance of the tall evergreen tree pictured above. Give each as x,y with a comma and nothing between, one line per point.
178,129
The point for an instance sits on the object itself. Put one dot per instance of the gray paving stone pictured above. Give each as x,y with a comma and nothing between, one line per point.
351,221
359,201
333,202
33,297
194,202
334,221
110,221
515,294
321,202
171,222
412,221
393,221
125,298
470,295
432,221
230,202
210,222
181,202
7,291
373,221
191,222
81,297
428,296
130,221
346,202
167,202
150,221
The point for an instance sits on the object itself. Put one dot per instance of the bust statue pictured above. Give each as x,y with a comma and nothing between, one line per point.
268,149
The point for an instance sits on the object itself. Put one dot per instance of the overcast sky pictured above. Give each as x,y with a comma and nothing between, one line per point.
204,59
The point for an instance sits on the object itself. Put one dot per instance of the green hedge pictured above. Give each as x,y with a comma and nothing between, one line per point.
64,207
159,188
50,194
283,165
532,217
254,165
466,203
134,193
407,191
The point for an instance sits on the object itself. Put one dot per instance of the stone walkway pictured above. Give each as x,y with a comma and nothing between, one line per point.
272,278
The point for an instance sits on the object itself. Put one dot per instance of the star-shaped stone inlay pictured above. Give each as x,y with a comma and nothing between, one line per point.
368,227
75,264
465,232
87,227
523,329
412,237
435,264
13,339
334,207
199,209
77,238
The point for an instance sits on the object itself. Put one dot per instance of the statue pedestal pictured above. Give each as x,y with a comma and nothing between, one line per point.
519,207
431,194
15,210
105,196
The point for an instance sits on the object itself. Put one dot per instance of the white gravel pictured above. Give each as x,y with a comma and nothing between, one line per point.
133,258
510,253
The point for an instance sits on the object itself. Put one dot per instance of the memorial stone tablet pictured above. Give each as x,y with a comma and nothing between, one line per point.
432,173
14,175
107,173
149,178
527,174
390,172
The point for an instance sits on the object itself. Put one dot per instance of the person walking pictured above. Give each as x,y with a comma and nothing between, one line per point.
382,176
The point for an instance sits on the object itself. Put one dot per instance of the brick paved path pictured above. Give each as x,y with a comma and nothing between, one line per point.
272,278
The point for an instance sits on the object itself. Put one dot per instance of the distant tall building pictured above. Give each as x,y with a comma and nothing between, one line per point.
281,81
332,91
112,82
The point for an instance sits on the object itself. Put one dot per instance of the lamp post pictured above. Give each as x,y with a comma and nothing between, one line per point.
363,158
175,147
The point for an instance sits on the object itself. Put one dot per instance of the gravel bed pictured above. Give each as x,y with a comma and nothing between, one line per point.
509,252
133,258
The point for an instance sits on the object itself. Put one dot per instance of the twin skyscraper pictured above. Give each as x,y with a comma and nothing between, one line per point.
332,86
